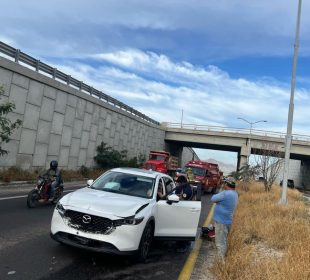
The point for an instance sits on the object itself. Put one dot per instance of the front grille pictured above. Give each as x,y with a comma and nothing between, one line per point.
85,242
93,224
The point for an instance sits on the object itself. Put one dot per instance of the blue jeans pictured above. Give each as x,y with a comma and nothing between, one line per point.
221,234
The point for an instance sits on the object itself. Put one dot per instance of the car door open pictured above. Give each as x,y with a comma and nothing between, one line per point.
177,219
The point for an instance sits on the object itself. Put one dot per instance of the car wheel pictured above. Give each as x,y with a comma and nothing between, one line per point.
145,242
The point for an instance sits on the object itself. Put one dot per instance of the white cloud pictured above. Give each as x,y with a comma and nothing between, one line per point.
182,38
207,95
149,62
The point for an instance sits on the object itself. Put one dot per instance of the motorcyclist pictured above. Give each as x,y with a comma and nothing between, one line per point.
54,172
183,189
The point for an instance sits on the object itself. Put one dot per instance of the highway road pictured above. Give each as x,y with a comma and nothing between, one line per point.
28,252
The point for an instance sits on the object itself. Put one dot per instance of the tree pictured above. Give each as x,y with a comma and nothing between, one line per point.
246,173
269,161
6,125
141,160
107,157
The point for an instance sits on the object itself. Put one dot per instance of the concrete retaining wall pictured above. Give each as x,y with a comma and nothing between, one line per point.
295,173
63,123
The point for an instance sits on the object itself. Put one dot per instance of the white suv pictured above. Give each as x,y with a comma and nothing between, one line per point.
122,211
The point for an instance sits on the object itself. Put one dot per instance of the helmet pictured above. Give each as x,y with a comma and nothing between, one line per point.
231,183
54,164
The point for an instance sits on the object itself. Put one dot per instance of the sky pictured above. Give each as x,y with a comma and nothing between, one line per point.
215,60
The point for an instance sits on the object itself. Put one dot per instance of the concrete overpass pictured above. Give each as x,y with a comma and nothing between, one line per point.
65,119
234,140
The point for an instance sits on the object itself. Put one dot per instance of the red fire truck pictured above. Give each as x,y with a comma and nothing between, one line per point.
208,174
161,161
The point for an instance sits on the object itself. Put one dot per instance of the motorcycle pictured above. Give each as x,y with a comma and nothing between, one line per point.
41,192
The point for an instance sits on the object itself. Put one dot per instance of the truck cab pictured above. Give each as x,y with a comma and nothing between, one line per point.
161,161
205,173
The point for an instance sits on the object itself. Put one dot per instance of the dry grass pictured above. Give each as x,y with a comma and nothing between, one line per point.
267,240
18,174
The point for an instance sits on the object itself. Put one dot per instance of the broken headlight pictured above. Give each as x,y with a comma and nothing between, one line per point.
132,220
61,210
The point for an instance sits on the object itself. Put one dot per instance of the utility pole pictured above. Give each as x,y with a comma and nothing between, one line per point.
288,141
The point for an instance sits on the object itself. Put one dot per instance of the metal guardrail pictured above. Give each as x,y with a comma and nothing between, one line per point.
298,137
39,66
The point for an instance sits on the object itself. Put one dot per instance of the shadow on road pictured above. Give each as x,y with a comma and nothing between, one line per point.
164,262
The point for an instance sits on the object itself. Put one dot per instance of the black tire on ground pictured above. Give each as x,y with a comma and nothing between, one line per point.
214,190
198,192
145,242
33,198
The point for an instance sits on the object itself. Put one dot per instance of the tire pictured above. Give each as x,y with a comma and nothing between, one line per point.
33,198
214,190
145,242
198,193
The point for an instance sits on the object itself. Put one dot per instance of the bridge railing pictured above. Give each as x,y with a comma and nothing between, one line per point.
257,132
39,66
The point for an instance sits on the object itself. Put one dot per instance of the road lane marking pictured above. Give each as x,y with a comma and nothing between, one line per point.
12,197
209,217
23,196
192,258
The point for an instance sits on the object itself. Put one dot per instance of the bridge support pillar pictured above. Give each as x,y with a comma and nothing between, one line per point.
305,174
242,161
243,156
175,150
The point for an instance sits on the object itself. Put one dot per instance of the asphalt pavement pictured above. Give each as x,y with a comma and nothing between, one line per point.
28,252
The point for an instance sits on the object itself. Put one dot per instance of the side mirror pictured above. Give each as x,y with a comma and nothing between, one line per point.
89,182
173,198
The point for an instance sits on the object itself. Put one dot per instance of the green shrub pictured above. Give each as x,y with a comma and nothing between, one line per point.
84,171
107,157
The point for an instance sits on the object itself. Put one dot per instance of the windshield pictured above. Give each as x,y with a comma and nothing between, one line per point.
197,171
128,184
157,157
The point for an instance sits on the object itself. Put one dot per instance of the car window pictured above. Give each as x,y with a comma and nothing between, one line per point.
161,191
161,186
198,171
157,157
169,185
124,183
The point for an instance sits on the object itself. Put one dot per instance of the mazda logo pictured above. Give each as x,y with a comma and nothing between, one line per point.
86,219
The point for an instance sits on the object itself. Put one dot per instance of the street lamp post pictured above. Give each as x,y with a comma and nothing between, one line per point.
283,199
249,142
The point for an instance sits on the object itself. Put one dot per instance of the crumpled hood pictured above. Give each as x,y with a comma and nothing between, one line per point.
101,202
